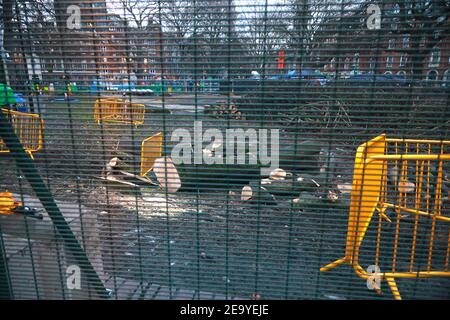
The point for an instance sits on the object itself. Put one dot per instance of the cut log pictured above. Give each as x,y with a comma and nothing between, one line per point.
332,196
113,172
257,194
345,188
167,174
119,185
118,180
283,188
307,182
307,202
211,176
406,186
139,178
246,193
111,166
278,174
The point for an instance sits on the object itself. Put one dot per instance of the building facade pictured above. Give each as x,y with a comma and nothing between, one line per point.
346,46
102,49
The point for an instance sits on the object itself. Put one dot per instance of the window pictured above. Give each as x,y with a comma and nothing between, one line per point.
446,78
389,62
356,61
403,60
391,43
432,75
422,41
406,41
372,64
346,64
435,57
49,66
332,64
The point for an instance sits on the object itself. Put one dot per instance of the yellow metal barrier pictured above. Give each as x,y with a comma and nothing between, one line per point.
28,128
400,179
118,110
151,149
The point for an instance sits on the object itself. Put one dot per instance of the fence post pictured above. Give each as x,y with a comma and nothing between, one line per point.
27,167
5,289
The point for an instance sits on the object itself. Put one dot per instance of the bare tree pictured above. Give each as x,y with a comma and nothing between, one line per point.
307,18
142,32
426,23
264,30
140,13
177,17
177,22
199,32
215,33
290,26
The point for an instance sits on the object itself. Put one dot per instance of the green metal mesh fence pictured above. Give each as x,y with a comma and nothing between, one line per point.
261,106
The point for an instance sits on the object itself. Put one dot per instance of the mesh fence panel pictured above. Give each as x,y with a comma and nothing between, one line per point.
252,182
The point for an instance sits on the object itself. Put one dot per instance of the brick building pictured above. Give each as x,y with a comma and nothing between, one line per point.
346,46
102,49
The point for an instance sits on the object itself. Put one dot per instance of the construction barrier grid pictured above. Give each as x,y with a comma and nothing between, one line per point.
119,111
28,127
225,149
396,222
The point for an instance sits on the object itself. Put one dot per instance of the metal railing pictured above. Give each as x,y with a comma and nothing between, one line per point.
151,149
28,127
118,110
397,182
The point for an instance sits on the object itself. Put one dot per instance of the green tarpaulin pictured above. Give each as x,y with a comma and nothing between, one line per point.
6,95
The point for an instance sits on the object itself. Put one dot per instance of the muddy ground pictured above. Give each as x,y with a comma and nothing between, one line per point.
207,240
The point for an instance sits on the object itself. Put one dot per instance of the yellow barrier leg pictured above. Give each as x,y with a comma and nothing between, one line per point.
393,285
334,264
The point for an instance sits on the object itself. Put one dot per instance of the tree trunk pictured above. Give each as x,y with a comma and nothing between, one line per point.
417,62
